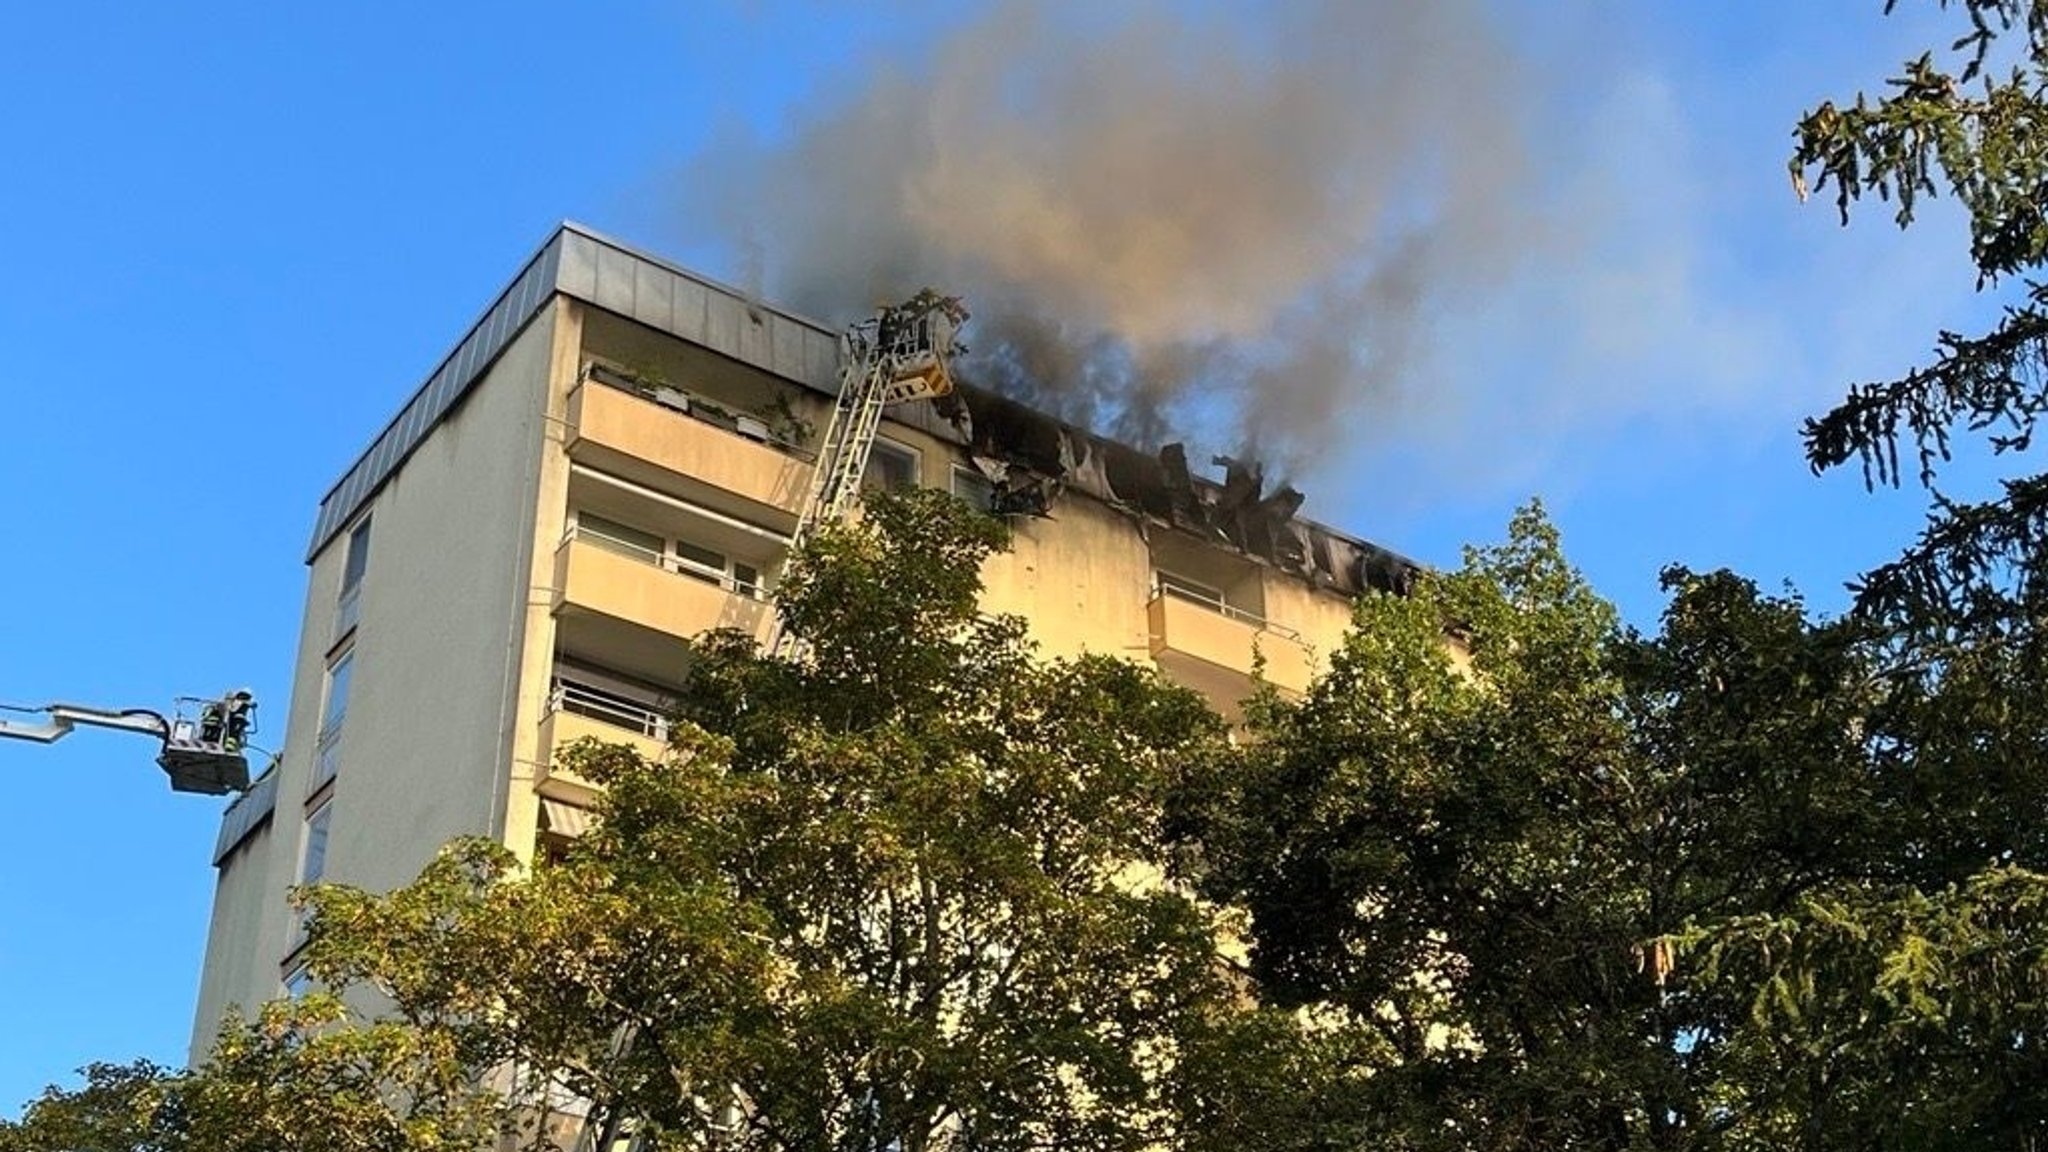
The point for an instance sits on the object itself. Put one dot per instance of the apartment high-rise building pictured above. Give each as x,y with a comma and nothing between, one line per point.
612,461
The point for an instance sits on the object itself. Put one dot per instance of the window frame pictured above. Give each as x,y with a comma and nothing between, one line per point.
355,566
341,669
1190,589
883,446
620,537
985,501
327,740
318,825
355,561
729,573
672,553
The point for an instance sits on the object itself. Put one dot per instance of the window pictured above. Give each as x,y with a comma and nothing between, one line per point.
685,557
339,674
298,982
891,467
697,560
358,560
348,610
621,538
715,567
313,862
327,745
977,490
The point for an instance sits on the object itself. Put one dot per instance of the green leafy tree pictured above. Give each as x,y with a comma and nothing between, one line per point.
907,892
299,1076
117,1109
1563,885
1436,858
932,861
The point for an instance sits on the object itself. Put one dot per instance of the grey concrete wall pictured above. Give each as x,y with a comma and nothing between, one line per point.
426,736
251,924
245,894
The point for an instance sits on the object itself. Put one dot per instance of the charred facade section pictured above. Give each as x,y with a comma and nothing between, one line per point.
1030,458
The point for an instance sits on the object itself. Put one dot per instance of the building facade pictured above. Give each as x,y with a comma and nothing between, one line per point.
611,461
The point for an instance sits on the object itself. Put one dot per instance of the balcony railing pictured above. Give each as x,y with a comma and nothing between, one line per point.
667,562
1222,608
567,695
700,409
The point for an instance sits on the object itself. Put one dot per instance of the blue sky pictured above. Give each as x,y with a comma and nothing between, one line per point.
233,245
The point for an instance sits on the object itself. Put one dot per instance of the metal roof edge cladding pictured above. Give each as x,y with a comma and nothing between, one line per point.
578,262
462,368
242,817
682,304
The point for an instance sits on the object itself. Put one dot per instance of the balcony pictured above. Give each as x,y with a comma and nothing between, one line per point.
1209,646
636,608
723,461
579,710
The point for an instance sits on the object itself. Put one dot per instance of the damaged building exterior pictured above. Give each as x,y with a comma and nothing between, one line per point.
610,462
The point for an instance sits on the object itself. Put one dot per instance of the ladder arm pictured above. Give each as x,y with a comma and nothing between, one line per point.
897,357
205,757
64,717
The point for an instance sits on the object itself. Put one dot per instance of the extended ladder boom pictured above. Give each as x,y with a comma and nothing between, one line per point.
899,356
199,756
64,717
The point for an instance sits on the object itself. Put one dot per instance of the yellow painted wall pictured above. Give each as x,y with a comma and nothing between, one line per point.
1080,579
517,821
1321,617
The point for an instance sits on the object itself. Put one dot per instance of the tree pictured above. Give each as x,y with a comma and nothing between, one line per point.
945,853
295,1077
1564,885
1754,881
1974,124
907,892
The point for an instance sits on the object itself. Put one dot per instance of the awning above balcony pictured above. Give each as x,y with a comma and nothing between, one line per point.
563,819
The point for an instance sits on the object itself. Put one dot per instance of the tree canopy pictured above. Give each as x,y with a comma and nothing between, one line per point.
905,893
1512,875
1560,884
1971,123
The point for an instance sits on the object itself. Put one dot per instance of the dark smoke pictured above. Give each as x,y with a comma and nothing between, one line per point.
1232,223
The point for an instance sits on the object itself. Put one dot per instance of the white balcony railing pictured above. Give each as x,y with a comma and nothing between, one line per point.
568,695
1223,608
666,561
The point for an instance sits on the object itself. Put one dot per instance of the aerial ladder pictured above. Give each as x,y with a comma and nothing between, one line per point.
203,754
900,355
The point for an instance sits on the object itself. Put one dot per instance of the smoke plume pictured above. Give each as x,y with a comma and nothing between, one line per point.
1229,220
